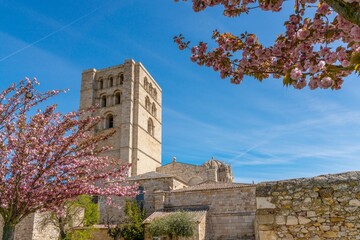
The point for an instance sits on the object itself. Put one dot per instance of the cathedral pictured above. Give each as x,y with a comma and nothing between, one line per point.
130,101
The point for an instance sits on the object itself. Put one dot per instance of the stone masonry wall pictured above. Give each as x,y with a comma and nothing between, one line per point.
31,228
323,207
185,172
231,211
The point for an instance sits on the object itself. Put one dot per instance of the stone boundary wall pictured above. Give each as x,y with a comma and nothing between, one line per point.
30,228
323,207
231,211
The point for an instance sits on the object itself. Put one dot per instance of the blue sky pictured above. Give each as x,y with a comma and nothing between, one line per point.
265,131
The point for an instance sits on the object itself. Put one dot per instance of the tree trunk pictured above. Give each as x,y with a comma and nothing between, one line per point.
8,231
349,11
62,234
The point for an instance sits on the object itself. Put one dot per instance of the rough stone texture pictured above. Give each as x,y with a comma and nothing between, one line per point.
323,207
133,142
231,211
211,171
30,228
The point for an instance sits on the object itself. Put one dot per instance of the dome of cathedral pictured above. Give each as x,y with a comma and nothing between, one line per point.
213,163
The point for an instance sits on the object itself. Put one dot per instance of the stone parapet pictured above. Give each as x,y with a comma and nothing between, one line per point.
323,207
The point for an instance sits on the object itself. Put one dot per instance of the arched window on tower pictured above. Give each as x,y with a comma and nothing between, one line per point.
101,84
151,127
117,98
146,84
147,103
109,121
150,89
153,110
103,101
121,78
111,81
155,94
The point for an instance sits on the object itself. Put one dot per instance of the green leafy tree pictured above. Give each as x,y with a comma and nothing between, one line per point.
70,216
178,224
131,228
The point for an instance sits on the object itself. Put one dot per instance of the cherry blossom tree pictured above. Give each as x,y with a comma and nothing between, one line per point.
318,48
48,157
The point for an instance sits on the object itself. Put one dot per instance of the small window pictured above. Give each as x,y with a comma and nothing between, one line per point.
151,127
121,78
109,121
103,101
146,84
147,103
153,110
150,88
117,98
111,81
101,84
155,94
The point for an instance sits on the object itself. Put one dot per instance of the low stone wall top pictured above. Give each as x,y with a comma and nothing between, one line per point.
323,207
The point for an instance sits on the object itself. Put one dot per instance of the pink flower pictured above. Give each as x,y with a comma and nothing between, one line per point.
345,63
313,83
323,9
355,33
302,34
321,65
250,40
326,82
296,74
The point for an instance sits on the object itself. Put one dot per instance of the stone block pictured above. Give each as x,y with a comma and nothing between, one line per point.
304,220
264,202
265,219
291,220
267,235
311,214
280,220
330,234
354,202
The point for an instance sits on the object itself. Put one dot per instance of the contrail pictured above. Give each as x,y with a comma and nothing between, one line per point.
50,34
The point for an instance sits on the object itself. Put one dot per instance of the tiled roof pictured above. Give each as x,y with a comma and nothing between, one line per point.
212,186
149,175
196,215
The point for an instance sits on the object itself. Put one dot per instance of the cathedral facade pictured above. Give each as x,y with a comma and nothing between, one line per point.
129,101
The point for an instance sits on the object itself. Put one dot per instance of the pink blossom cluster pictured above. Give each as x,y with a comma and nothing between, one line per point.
314,50
48,158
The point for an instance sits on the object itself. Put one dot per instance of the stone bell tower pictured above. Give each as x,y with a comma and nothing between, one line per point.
129,101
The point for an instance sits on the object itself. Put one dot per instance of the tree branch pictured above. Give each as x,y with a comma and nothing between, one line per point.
349,11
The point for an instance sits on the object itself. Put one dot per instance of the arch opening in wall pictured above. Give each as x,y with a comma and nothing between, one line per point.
150,89
117,98
121,78
147,103
153,110
103,101
109,121
146,83
155,94
111,81
101,83
151,127
195,181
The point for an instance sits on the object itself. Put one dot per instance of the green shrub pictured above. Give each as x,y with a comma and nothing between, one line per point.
178,224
